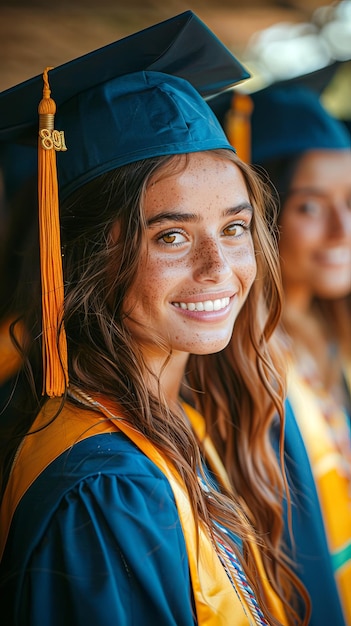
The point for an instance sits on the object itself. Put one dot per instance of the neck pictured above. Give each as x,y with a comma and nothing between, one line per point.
306,327
298,300
313,345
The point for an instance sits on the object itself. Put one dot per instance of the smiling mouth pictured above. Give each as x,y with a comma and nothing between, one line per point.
207,305
336,256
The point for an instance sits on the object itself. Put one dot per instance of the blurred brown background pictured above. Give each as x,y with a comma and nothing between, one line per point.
38,33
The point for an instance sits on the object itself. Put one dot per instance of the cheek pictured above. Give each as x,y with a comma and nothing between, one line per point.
299,236
251,271
244,265
152,282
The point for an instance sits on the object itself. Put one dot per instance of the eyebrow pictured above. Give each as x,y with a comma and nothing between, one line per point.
311,191
170,216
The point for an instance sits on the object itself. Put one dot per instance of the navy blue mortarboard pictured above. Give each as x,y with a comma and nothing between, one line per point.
289,119
114,110
18,163
140,97
133,117
115,107
181,46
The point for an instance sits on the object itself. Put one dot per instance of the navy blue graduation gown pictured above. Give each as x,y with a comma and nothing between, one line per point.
100,544
309,552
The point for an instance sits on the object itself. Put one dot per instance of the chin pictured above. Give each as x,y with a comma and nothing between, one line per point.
211,348
333,292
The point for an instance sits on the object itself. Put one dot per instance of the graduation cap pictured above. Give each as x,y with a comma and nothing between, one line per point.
140,97
18,163
286,118
289,118
181,46
317,80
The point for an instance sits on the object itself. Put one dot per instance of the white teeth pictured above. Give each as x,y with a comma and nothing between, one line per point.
217,305
337,255
207,305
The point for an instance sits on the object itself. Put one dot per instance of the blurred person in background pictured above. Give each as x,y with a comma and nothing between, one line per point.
306,154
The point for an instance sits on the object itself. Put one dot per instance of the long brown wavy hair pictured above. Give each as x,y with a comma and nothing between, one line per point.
239,391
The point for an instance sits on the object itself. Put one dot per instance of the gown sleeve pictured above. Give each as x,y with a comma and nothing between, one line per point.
112,553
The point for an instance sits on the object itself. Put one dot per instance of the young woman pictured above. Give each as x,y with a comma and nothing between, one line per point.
307,155
109,513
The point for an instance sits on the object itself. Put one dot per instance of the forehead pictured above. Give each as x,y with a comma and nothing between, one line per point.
196,177
321,163
178,167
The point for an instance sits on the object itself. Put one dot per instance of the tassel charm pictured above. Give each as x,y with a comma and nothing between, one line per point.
238,125
55,362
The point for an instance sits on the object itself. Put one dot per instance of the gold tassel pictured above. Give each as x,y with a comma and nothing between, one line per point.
55,366
238,125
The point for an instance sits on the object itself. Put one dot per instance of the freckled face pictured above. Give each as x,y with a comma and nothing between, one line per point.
198,261
315,224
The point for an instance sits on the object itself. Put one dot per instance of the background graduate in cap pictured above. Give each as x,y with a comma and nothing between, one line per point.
306,153
109,513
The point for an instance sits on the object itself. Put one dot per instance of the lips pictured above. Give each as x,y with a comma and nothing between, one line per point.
206,305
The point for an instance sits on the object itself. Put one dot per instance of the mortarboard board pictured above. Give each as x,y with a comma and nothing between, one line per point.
317,80
140,97
86,91
181,46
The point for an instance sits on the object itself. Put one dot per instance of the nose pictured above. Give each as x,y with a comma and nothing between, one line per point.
340,220
210,262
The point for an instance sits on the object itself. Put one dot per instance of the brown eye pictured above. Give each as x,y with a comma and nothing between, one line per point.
234,230
169,238
173,237
311,207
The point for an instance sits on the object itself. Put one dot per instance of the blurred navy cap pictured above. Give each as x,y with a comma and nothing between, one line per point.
288,116
317,81
289,119
139,97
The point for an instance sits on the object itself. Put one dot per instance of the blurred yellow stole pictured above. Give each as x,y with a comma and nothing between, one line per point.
333,486
217,603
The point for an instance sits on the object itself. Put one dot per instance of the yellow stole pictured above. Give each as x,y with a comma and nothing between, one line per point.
333,487
216,601
214,462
